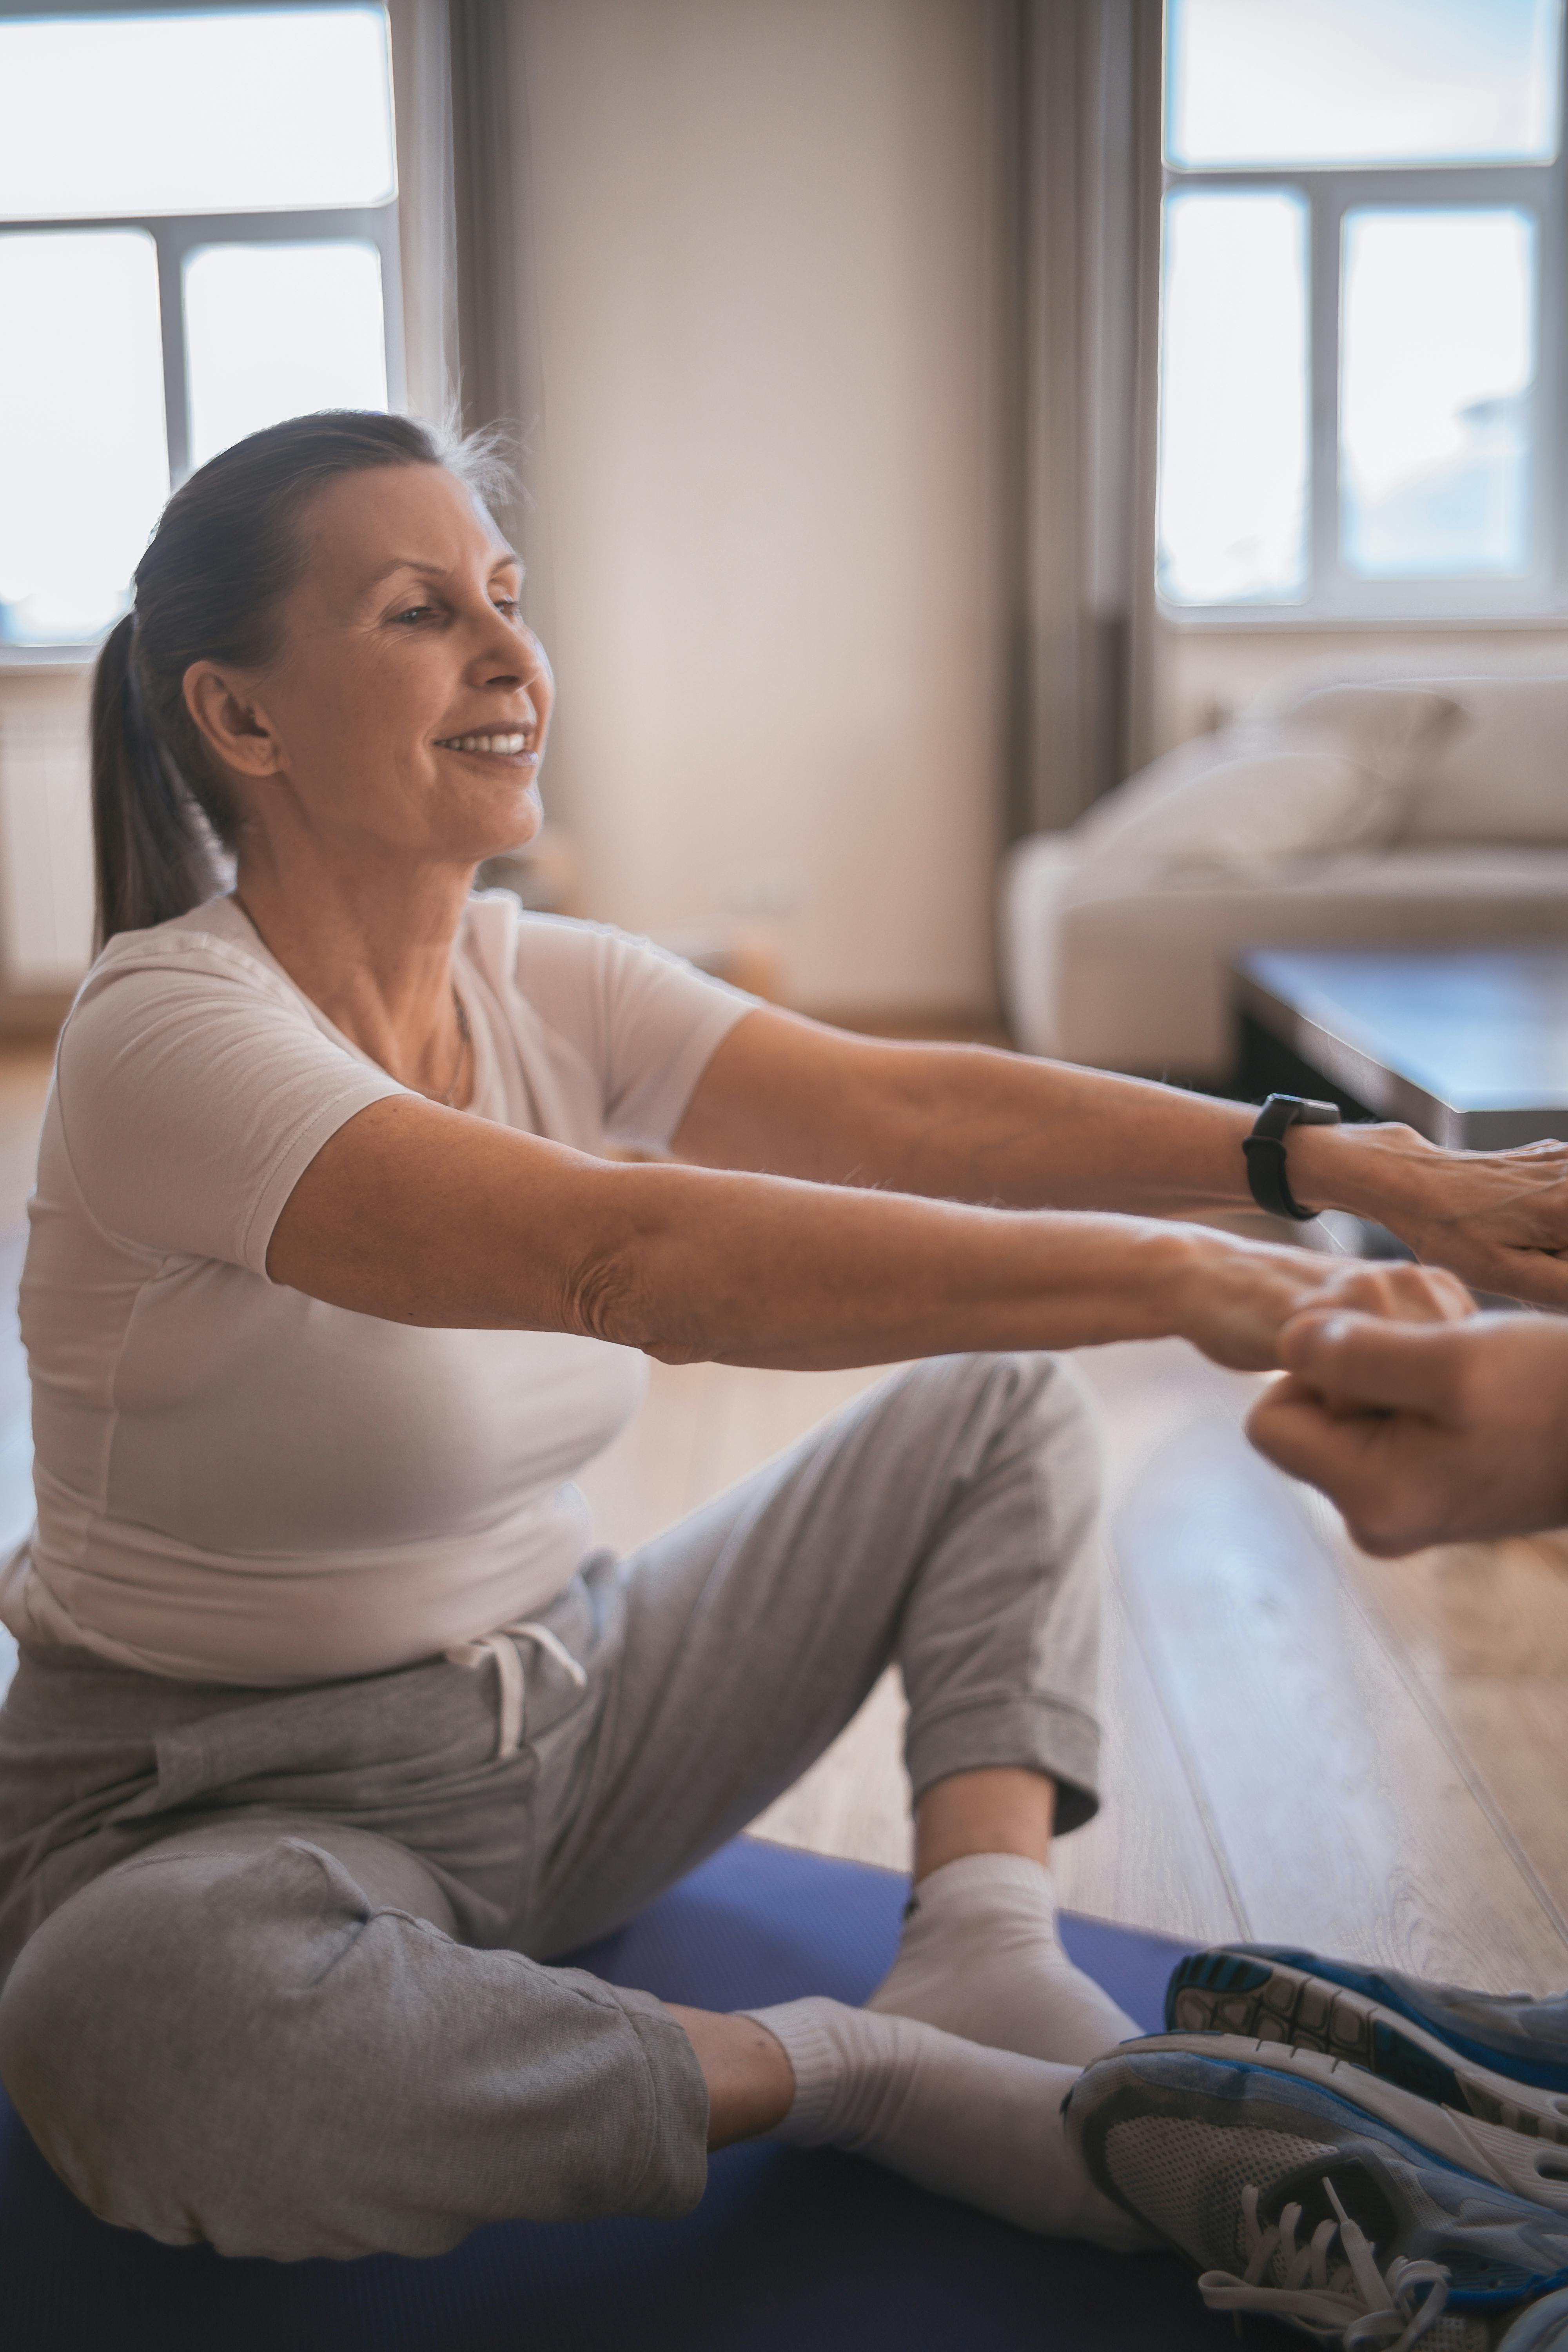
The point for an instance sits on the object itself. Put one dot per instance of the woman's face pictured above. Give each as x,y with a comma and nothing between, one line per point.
408,706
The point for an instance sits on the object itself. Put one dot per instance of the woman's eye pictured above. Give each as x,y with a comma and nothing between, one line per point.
414,613
509,606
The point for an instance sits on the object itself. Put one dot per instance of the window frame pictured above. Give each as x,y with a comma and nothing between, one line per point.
175,234
1334,596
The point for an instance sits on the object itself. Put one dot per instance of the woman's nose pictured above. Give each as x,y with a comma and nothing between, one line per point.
537,679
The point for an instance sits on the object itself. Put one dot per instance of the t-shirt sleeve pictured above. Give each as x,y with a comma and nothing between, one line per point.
193,1090
646,1022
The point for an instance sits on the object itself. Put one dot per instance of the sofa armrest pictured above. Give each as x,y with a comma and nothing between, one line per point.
1032,888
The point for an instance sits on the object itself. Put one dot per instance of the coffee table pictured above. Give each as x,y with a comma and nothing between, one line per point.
1469,1045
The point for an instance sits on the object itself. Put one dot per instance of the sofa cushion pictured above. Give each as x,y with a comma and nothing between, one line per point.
1496,772
1504,776
1394,729
1328,775
1210,808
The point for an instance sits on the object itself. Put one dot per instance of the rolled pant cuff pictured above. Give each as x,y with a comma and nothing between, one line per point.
1032,1735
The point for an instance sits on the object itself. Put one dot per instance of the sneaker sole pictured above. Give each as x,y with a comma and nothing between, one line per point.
1478,2122
1232,1966
1271,2001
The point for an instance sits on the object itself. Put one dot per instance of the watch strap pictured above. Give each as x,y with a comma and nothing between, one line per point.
1265,1151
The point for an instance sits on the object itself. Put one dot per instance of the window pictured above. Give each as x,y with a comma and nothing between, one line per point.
1361,378
197,238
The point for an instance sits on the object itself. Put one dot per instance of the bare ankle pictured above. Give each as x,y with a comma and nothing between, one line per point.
998,1809
750,2081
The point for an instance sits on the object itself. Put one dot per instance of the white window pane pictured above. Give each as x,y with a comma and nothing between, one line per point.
252,109
274,330
1362,81
84,465
1232,399
1437,354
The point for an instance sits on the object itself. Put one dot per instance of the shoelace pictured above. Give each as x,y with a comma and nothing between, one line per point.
501,1645
1352,2303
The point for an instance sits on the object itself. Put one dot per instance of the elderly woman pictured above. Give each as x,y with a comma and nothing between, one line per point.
330,1729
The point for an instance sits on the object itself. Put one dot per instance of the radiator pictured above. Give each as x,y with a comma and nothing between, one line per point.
46,843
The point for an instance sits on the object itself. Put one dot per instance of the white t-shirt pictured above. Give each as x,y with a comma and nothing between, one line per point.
237,1483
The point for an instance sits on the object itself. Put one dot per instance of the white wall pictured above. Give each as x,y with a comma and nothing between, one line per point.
765,473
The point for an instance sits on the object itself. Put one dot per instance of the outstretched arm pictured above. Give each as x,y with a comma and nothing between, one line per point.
958,1122
423,1216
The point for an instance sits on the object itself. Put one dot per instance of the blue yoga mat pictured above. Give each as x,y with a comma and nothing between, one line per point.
787,2251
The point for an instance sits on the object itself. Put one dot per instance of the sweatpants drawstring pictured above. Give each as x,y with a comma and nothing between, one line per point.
501,1645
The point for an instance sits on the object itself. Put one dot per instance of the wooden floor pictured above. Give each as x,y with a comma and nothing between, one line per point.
1302,1743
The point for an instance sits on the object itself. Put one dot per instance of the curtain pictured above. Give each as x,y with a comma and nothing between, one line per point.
460,171
1078,104
470,339
426,219
490,175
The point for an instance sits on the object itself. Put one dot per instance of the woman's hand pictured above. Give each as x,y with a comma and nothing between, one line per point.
1497,1219
1237,1297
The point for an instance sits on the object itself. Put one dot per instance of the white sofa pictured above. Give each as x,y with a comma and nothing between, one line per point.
1367,813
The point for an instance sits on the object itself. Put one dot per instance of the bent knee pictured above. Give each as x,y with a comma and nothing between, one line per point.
1024,1396
151,2022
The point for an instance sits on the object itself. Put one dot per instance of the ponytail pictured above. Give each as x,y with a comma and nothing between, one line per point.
227,552
152,854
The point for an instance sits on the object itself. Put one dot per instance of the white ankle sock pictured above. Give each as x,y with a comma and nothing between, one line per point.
980,1958
980,2125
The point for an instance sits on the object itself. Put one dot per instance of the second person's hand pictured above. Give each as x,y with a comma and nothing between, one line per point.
1426,1435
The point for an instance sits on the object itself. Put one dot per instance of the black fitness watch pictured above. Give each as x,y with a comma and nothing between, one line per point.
1265,1150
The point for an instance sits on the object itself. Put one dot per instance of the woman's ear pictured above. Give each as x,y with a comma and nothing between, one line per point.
229,722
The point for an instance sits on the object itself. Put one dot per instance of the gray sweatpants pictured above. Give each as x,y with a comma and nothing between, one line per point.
281,1982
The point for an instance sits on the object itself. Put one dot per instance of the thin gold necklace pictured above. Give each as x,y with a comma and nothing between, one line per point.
465,1035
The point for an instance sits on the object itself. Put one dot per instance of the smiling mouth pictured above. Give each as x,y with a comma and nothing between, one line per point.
487,747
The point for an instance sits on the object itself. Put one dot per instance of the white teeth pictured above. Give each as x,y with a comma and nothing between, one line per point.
507,744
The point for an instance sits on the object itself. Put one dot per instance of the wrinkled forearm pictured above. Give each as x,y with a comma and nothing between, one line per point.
1046,1135
768,1270
961,1123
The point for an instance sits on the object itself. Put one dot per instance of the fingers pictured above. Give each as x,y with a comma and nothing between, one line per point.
1291,1424
1536,1277
1546,1149
1360,1462
1324,1341
1364,1359
1424,1432
1406,1294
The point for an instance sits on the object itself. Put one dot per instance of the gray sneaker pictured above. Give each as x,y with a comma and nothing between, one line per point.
1292,1997
1542,2328
1309,2191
